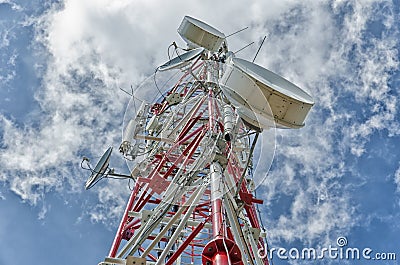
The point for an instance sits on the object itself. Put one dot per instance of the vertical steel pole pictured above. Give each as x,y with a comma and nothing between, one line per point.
221,257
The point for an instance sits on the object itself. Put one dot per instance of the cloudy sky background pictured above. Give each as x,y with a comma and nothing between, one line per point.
62,64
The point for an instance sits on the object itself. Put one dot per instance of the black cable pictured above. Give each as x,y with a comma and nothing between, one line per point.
176,51
134,103
259,48
155,83
172,44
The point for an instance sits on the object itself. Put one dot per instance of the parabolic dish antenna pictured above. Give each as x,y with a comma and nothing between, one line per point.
288,103
181,60
199,34
99,169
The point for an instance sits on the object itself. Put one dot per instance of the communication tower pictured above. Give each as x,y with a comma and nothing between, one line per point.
192,151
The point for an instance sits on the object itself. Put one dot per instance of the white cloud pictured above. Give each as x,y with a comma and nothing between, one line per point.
13,5
7,59
111,204
397,179
94,47
313,51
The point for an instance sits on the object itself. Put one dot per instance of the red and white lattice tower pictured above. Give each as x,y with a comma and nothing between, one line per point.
193,200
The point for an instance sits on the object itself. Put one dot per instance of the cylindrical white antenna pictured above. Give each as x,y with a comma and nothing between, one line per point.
228,122
129,131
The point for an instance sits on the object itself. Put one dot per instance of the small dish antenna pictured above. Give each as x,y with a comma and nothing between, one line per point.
101,170
182,60
199,34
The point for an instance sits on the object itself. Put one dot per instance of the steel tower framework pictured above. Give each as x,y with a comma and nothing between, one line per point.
193,200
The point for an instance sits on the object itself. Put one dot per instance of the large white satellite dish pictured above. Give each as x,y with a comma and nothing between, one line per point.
265,94
199,34
181,60
259,116
99,170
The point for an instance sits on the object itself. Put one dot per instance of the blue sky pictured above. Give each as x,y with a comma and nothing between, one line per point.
61,66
